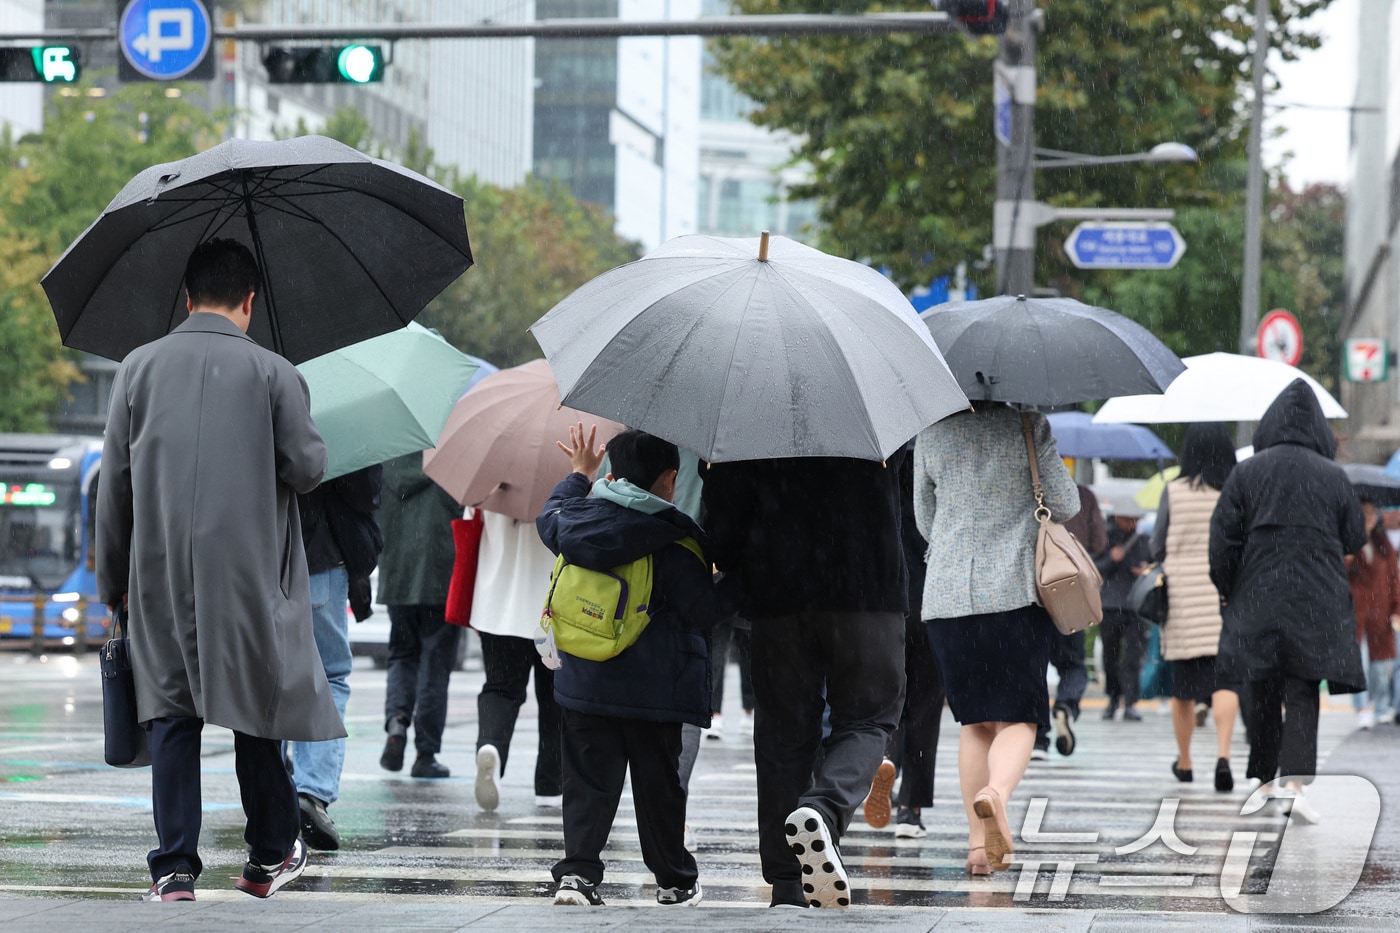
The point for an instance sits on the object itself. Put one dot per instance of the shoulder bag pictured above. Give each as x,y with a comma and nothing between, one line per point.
1148,597
1065,576
125,743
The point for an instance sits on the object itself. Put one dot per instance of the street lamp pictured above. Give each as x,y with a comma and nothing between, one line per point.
1162,152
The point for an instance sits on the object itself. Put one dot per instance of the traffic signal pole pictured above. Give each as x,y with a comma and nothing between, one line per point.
1254,188
1015,217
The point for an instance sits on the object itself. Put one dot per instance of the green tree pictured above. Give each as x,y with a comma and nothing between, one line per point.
54,184
898,128
532,246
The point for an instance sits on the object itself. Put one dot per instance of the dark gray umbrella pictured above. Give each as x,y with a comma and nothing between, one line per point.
738,352
1048,351
1373,483
351,247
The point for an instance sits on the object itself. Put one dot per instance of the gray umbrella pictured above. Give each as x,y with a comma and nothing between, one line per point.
351,247
1048,351
1374,484
741,355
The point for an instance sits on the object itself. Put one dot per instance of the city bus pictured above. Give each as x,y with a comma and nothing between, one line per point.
48,495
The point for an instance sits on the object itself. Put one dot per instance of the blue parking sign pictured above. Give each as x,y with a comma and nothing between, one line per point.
165,39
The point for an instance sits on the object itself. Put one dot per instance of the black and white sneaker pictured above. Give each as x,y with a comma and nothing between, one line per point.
909,824
267,880
824,878
576,892
176,886
675,897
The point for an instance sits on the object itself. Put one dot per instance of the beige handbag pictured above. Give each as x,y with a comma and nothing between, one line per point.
1065,575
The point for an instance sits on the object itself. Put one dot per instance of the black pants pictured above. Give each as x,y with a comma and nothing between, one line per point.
1067,655
1124,635
857,658
1278,745
422,653
725,634
915,744
598,750
269,796
508,661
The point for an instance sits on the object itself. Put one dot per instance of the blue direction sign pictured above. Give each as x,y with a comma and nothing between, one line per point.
165,39
1001,108
1125,245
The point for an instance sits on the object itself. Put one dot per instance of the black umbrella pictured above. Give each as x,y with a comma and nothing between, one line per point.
1048,351
1374,484
350,247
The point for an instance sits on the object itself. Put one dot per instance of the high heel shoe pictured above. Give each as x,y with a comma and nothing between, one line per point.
977,863
1183,775
991,809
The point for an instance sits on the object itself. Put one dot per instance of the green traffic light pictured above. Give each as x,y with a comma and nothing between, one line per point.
55,63
358,64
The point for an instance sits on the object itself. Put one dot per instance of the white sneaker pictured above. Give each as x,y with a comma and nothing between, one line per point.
1039,754
825,883
1365,718
689,840
746,724
716,730
1303,809
488,777
555,802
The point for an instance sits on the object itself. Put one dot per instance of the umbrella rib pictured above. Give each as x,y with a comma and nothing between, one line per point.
348,251
209,229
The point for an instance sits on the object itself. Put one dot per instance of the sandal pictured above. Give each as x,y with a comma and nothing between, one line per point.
991,810
1183,775
977,864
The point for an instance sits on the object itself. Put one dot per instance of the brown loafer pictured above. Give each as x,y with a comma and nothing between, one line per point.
991,810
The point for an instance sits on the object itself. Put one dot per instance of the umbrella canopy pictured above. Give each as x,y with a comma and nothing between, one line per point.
1076,435
497,450
1048,351
740,352
1374,483
350,247
1150,495
385,397
1217,387
1118,496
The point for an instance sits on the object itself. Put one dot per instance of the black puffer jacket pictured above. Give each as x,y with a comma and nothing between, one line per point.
1285,519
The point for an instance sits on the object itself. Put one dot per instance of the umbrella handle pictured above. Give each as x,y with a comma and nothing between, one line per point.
763,246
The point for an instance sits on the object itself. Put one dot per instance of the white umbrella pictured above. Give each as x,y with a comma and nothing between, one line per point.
1216,387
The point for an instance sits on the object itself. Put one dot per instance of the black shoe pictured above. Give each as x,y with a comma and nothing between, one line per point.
176,886
575,892
909,824
317,828
788,894
1064,732
1131,715
675,897
394,745
267,880
1111,709
1183,775
1224,780
427,766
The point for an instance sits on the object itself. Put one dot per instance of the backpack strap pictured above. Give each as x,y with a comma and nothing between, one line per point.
693,546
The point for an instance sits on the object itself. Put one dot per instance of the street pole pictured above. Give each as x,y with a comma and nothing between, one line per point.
1014,227
1254,190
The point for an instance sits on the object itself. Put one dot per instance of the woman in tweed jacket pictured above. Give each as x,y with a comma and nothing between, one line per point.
991,637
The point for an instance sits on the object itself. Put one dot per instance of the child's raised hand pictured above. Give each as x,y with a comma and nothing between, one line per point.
582,456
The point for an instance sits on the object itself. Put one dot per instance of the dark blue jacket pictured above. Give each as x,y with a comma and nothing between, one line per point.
665,676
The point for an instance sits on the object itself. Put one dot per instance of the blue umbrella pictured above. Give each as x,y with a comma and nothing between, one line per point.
1078,435
1392,467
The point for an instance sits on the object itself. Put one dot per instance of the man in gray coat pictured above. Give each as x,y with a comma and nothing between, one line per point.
209,438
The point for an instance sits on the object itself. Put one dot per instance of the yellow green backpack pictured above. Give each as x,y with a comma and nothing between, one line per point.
598,614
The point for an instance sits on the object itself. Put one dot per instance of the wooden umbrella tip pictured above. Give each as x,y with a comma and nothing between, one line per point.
763,246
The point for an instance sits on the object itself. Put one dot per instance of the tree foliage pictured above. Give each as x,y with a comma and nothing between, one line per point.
898,129
53,184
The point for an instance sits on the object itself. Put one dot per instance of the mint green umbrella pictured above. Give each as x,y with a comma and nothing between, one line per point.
386,396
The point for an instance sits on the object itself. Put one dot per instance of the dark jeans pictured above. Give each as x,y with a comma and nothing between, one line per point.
1279,746
915,744
858,657
1124,635
598,750
724,634
269,796
422,652
1067,654
508,661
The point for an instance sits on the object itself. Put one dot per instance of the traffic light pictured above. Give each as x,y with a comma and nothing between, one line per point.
50,64
348,64
979,17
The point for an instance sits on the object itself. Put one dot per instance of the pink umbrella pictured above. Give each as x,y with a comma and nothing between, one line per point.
497,451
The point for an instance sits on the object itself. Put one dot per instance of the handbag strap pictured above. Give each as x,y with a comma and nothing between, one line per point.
1042,514
121,624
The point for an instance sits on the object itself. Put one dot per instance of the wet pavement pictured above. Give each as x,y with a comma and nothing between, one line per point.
420,854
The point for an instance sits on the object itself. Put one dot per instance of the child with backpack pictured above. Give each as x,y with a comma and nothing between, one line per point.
630,609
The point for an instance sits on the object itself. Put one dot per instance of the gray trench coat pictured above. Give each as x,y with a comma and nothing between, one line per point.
209,438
